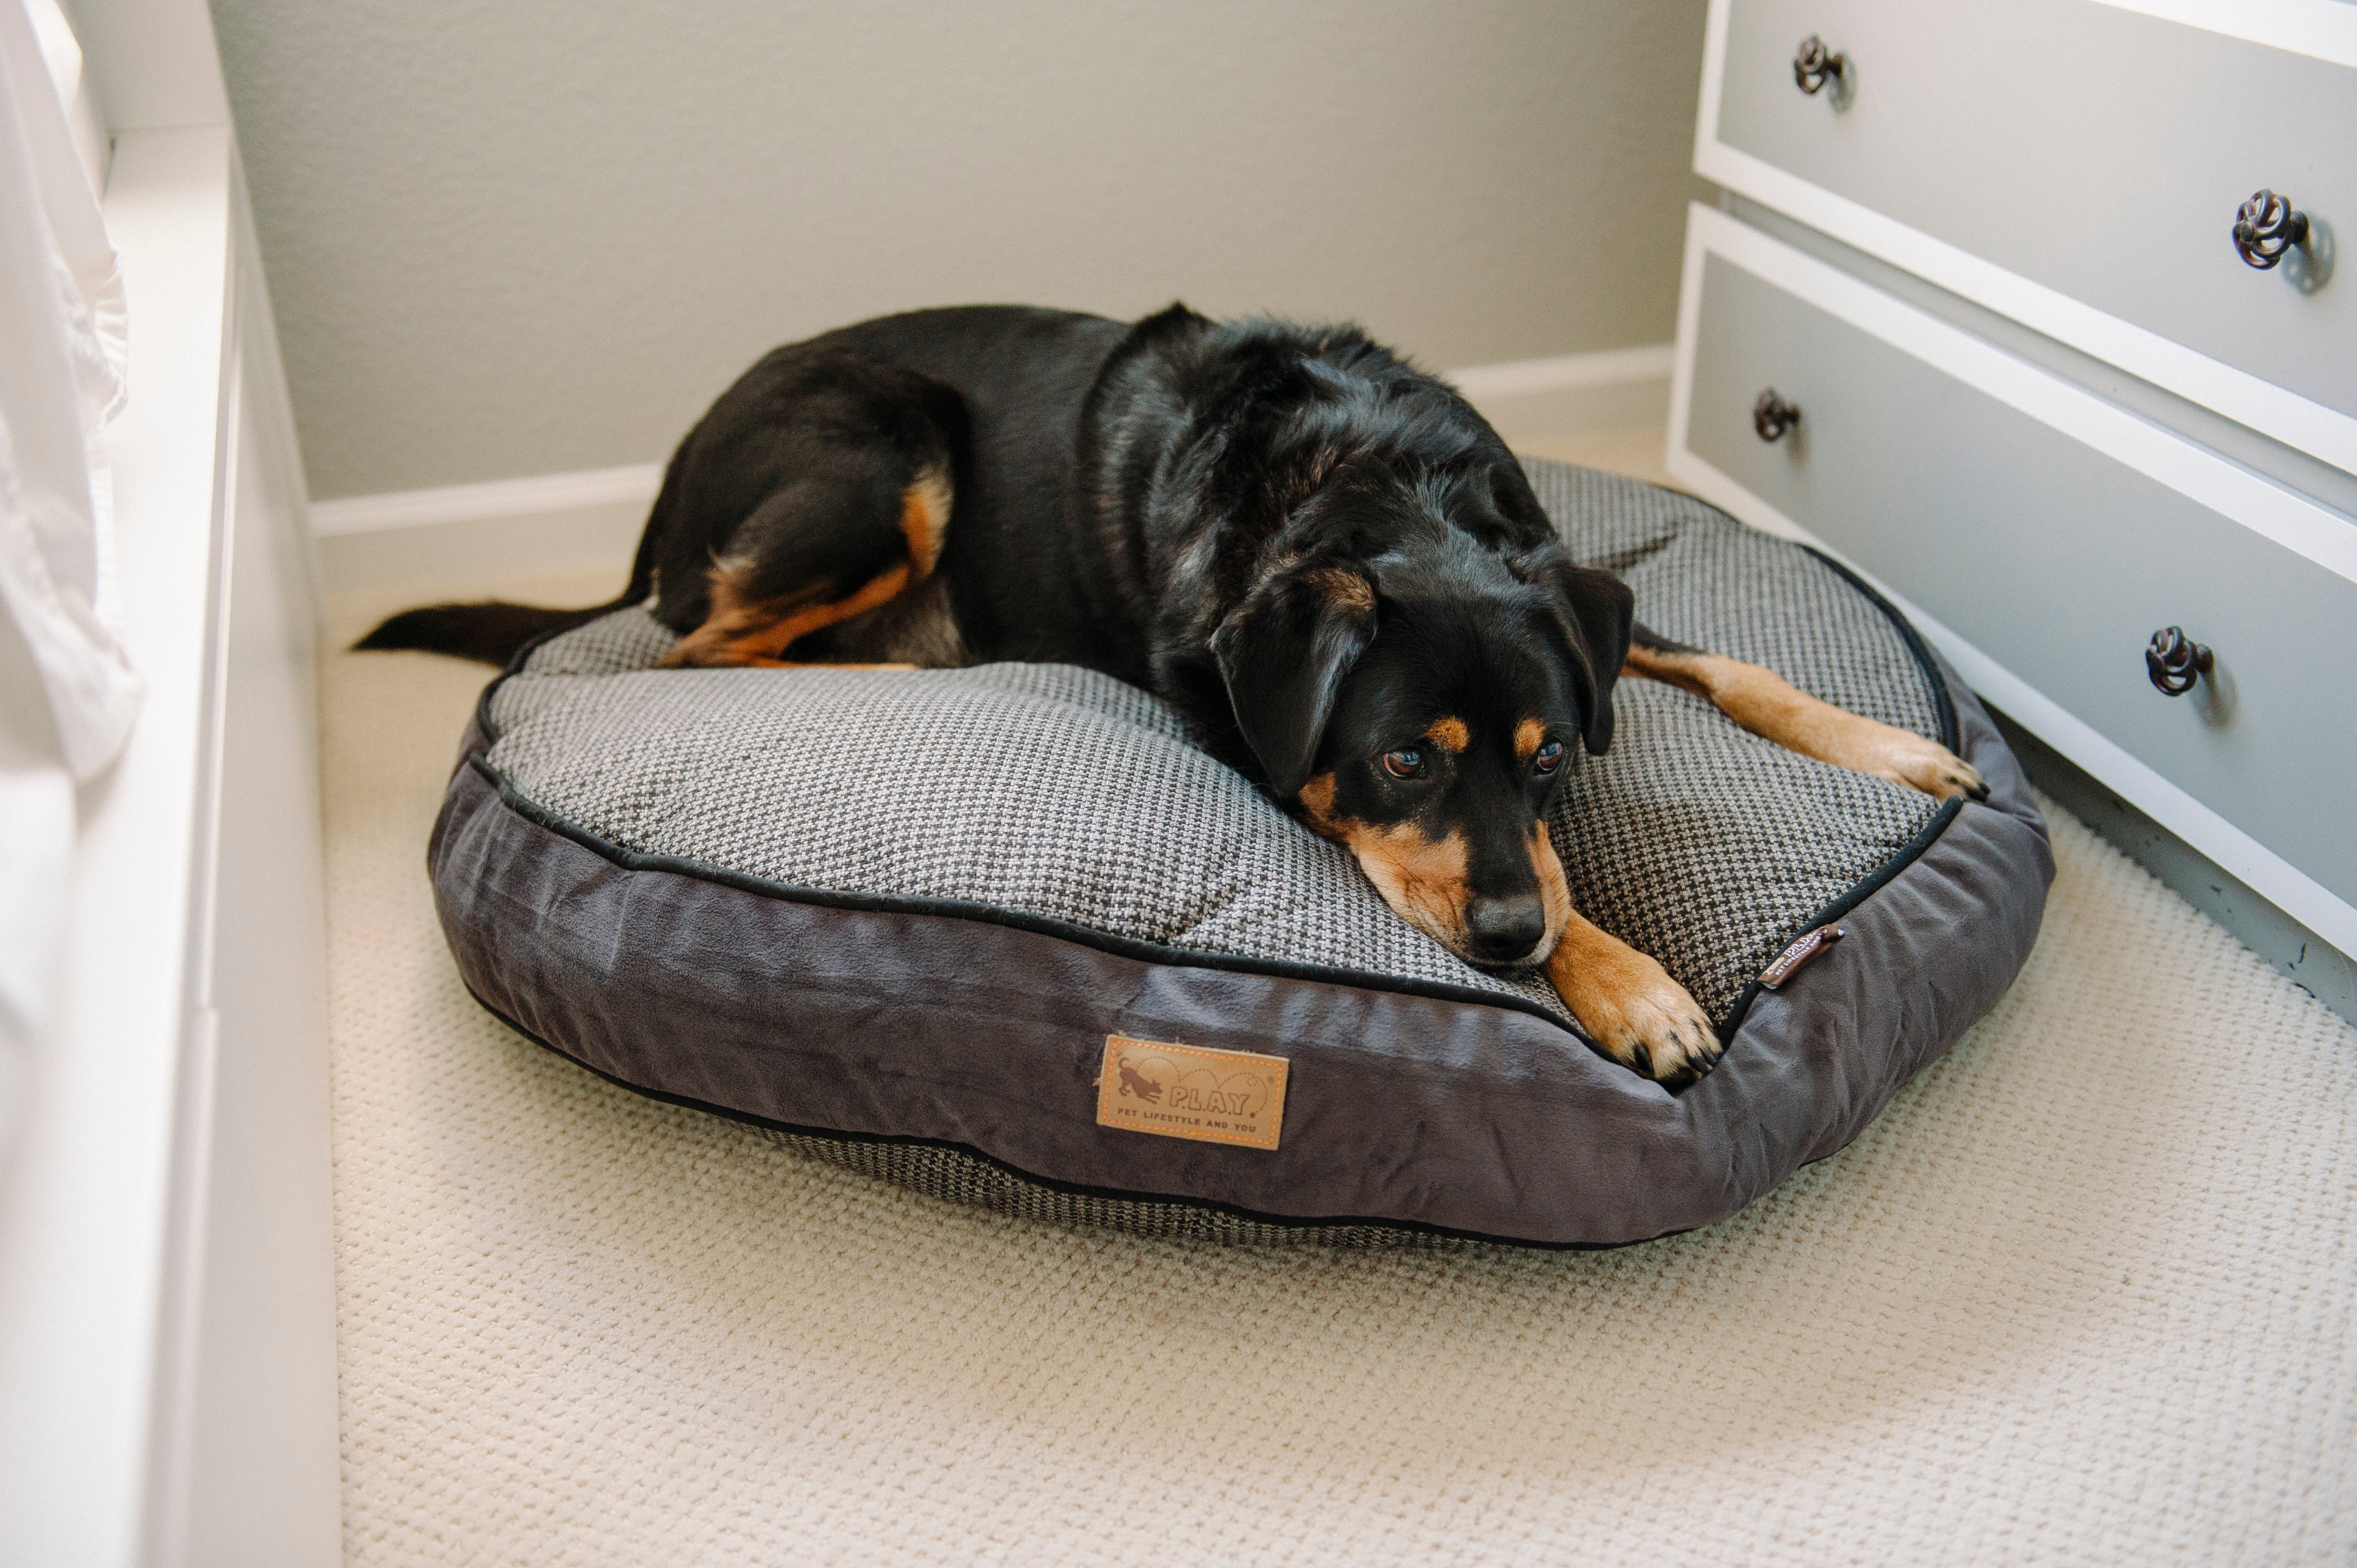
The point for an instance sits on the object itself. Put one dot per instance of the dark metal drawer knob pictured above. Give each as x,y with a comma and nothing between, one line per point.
1772,418
2175,662
2267,227
1814,65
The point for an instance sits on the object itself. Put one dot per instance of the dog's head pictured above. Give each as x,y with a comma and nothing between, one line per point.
1421,707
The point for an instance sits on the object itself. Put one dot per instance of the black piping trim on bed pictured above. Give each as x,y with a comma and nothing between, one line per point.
539,815
1944,706
1943,711
1866,887
1052,1183
532,811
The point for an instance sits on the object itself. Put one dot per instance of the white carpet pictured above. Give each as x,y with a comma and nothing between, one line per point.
2081,1295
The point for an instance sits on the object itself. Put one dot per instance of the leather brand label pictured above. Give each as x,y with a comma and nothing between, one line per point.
1790,961
1187,1092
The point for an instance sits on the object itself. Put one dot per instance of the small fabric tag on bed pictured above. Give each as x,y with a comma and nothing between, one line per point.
1789,961
1187,1092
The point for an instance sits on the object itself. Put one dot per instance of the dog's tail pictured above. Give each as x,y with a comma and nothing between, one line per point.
494,631
490,631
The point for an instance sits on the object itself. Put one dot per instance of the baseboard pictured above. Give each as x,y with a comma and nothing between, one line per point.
457,536
1571,394
588,489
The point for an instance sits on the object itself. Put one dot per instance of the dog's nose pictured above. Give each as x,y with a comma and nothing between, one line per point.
1501,930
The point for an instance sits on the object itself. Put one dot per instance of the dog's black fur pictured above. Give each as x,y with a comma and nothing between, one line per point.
1320,556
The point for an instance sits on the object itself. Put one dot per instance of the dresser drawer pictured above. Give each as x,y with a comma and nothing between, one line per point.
2077,166
2044,530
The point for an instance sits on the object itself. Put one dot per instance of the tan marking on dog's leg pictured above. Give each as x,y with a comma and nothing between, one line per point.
925,518
1450,734
1627,1002
1527,736
737,631
1767,704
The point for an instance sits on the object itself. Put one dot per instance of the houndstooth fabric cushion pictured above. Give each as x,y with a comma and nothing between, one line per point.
1070,797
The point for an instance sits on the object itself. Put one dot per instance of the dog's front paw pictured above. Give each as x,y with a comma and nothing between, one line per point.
1640,1017
1910,760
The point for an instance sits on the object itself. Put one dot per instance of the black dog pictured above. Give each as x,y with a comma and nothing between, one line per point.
1322,557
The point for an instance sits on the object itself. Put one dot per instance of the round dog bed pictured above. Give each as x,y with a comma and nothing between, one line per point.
1002,934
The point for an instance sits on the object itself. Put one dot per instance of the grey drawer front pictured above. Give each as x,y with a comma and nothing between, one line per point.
2096,151
2054,559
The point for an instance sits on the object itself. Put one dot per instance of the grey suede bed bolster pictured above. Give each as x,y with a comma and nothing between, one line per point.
818,1012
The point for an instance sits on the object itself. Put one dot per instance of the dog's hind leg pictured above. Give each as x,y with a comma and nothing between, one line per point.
820,551
824,502
1767,704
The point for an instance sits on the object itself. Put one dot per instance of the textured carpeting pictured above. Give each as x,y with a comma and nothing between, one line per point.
2081,1295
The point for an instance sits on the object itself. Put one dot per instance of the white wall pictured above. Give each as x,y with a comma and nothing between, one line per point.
540,235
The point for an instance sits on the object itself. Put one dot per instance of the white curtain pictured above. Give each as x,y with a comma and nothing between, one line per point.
67,694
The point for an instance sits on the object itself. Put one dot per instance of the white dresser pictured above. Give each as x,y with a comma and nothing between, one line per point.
2028,310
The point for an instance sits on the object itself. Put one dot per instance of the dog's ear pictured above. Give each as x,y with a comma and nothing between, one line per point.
1597,612
1283,653
1511,493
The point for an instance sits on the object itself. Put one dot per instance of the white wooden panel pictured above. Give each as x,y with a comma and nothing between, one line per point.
2051,192
2323,538
86,1213
257,1481
167,1267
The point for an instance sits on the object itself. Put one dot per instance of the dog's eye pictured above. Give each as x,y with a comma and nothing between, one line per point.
1405,763
1549,758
